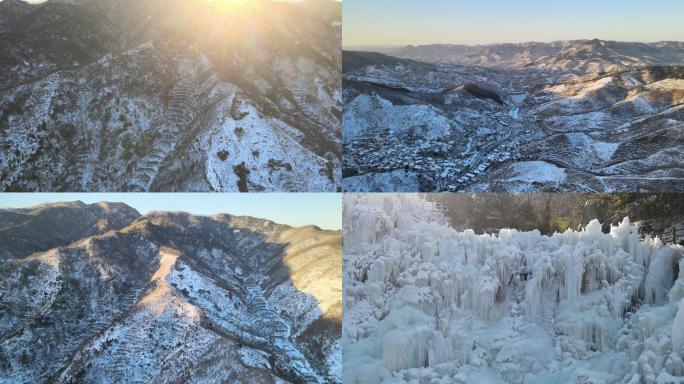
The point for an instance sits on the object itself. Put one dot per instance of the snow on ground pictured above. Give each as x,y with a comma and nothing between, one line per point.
367,114
299,307
161,325
515,112
425,303
581,90
541,171
641,103
605,150
519,98
584,142
378,76
268,150
45,282
334,362
629,78
594,87
398,181
254,358
590,120
225,308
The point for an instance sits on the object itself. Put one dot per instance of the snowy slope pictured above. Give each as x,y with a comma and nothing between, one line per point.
172,297
425,303
171,96
457,125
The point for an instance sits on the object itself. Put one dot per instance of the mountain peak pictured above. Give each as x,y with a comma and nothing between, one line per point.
62,204
598,42
57,224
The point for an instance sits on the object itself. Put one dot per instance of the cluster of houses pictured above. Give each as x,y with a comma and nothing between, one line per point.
450,170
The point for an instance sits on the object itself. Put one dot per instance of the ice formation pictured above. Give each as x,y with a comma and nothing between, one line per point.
425,303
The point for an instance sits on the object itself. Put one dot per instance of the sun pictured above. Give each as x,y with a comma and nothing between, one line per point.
234,4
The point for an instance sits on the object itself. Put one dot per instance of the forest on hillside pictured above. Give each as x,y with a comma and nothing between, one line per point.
659,214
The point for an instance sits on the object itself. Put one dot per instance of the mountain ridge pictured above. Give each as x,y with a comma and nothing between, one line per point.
547,54
242,287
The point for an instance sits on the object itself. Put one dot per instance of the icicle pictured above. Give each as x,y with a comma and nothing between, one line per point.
674,364
395,345
660,277
592,231
573,269
440,350
677,291
678,331
485,297
424,297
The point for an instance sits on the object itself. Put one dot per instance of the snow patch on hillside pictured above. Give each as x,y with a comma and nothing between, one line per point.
605,150
368,114
267,150
542,171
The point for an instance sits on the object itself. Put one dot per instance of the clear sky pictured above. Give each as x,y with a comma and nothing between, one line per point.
400,22
295,209
42,1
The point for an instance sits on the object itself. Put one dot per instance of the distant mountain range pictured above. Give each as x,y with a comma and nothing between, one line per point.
582,55
98,293
170,95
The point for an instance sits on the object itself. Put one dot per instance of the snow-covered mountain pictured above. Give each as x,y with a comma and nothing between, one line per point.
425,303
166,298
579,55
568,116
178,95
26,231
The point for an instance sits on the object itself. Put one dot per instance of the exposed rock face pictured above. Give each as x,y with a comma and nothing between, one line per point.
173,95
173,297
568,116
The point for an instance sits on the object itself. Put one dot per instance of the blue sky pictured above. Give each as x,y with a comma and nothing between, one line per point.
296,209
393,22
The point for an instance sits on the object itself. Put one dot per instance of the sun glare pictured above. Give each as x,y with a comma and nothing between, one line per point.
234,4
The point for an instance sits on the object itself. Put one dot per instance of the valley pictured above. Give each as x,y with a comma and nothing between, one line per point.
516,123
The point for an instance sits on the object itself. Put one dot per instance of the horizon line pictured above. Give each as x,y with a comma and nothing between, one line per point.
344,46
211,215
322,210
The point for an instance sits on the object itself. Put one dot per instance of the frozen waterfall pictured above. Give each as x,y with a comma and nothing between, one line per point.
425,303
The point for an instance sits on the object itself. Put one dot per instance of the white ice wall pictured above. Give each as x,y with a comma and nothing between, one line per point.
425,302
